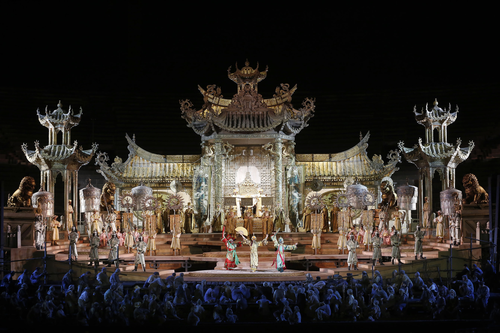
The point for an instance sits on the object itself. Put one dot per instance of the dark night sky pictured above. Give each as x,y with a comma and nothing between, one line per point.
129,65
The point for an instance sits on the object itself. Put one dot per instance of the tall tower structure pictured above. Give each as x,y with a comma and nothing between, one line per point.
431,156
60,158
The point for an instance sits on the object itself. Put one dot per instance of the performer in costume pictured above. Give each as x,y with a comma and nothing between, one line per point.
176,238
121,237
419,236
151,244
39,232
377,252
367,222
267,225
455,222
232,260
280,249
129,241
254,255
395,242
113,249
94,249
398,216
386,236
439,227
136,234
341,241
188,219
73,239
352,258
361,235
249,221
231,221
95,217
139,256
382,217
55,224
103,238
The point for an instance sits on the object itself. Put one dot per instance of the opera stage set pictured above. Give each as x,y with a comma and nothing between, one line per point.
247,179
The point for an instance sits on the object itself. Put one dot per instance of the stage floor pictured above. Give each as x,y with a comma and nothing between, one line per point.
245,275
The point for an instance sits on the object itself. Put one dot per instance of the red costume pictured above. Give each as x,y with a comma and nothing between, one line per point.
231,257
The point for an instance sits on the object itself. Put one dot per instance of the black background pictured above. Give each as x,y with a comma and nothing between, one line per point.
128,65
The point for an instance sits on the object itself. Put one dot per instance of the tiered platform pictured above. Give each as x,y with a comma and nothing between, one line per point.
202,258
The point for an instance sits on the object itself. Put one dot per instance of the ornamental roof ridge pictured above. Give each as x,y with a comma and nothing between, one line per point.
435,115
360,147
247,74
58,118
144,153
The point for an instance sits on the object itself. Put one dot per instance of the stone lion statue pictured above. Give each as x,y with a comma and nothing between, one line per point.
22,196
108,197
389,196
474,193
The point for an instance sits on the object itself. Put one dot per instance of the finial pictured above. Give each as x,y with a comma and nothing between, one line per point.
435,102
133,137
59,105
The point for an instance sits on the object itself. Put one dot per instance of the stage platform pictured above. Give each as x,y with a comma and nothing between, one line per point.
202,258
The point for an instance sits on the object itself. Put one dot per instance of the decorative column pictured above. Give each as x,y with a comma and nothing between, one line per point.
278,172
218,158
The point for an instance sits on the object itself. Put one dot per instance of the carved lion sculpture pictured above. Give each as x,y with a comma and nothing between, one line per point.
389,197
108,197
22,196
474,193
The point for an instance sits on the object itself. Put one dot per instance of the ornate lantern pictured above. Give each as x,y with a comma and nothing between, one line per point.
449,198
140,193
90,198
407,197
355,195
45,200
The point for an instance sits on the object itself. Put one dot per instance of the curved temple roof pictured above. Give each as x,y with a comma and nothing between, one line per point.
247,111
353,162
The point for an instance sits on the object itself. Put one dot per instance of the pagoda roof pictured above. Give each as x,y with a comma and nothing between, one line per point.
436,116
58,119
59,156
247,111
353,162
142,165
436,153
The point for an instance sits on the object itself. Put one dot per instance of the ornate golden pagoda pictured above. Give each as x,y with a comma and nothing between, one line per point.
64,159
248,153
